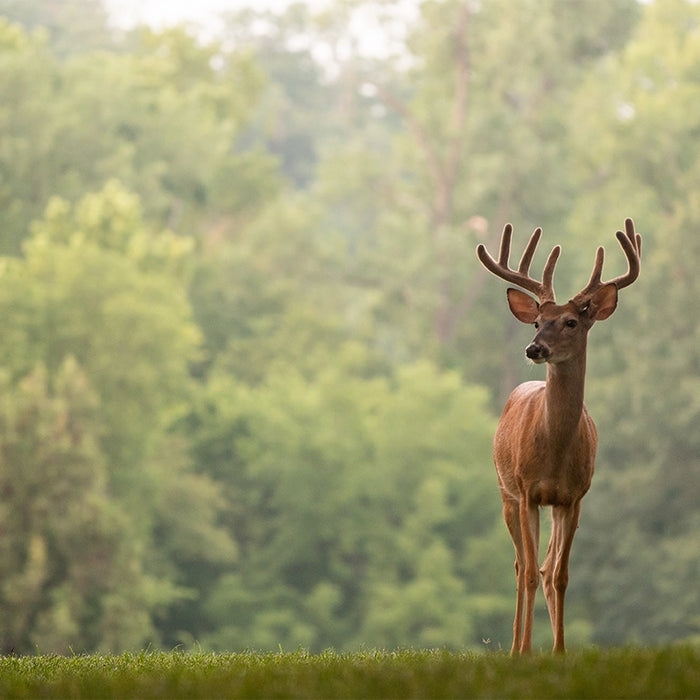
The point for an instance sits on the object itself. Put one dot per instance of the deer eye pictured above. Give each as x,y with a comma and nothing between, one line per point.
537,325
571,323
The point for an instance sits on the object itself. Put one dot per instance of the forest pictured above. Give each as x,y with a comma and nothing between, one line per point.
250,365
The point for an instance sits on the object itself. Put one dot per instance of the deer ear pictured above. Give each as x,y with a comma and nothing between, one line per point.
603,302
523,306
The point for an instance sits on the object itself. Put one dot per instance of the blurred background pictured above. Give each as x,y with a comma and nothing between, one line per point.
250,366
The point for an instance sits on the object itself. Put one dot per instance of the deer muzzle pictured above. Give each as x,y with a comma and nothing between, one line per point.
537,352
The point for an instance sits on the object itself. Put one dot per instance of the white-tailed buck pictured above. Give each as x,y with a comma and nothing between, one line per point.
545,443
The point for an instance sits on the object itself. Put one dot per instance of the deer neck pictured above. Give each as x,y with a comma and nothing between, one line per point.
564,399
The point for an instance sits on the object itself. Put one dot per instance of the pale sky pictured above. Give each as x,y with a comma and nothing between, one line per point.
161,13
373,38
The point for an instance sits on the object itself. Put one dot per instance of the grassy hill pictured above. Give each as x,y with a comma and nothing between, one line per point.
672,672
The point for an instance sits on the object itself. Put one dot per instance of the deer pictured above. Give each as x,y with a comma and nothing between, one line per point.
545,443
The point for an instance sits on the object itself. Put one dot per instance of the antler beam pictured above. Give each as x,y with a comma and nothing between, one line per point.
544,290
631,244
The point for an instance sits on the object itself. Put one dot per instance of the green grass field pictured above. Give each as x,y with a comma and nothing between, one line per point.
672,672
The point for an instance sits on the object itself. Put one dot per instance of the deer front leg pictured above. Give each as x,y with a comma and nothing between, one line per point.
530,532
511,514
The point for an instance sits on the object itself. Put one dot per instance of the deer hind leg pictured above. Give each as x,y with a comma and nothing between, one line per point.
555,569
530,532
547,571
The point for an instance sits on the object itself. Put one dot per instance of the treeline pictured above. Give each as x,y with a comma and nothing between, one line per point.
250,365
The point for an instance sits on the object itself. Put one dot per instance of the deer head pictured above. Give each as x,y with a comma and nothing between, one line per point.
561,329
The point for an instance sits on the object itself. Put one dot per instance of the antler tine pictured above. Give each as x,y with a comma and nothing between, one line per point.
594,282
521,277
631,243
548,273
526,260
504,250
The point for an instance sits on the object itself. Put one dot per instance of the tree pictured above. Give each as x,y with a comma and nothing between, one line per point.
121,116
69,573
73,26
27,130
345,489
99,339
644,157
476,145
250,278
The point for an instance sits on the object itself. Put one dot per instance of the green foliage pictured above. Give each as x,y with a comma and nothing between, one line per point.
250,367
72,26
645,378
62,546
98,341
107,115
321,476
129,328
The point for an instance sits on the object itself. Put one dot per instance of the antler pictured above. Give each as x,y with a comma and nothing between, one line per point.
544,290
631,243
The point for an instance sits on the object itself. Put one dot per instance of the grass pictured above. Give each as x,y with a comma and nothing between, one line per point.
673,672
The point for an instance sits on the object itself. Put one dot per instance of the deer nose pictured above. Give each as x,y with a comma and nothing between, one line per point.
537,351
